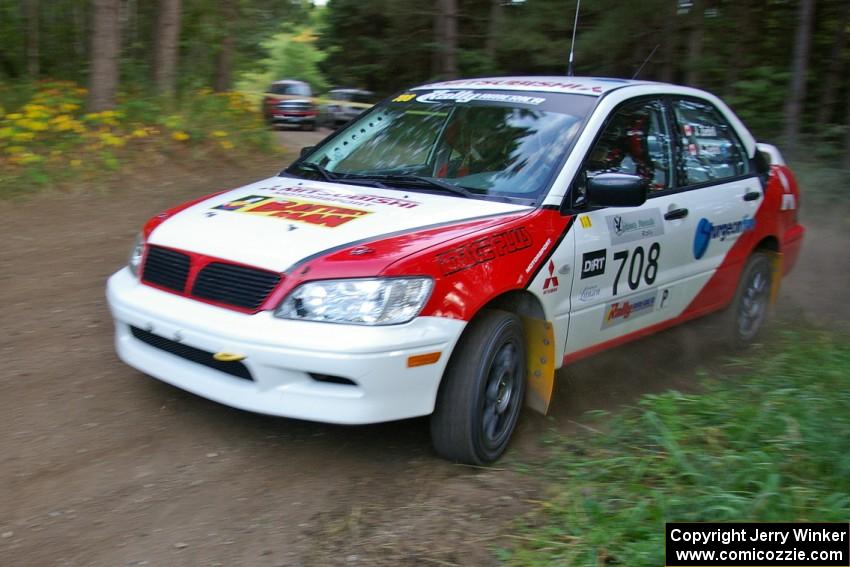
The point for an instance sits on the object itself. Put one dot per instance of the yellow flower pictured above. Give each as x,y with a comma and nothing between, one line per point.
139,133
219,134
14,116
226,144
68,107
15,150
23,137
6,132
24,158
180,136
76,162
112,140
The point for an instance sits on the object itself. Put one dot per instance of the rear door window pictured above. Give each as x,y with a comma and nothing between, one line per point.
708,149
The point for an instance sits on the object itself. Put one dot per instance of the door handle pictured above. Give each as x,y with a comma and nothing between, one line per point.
676,214
752,195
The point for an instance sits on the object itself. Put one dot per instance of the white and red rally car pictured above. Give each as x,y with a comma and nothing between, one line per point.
454,246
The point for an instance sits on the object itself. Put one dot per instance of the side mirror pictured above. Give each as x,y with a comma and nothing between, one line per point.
306,150
617,190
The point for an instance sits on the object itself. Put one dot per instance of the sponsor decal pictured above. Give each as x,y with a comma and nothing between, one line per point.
538,255
665,298
636,225
524,83
349,198
469,96
483,249
309,212
707,231
406,97
789,201
627,309
589,293
585,221
593,263
551,283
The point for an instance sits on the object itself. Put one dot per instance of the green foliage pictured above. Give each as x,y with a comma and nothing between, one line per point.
47,138
291,54
758,99
767,446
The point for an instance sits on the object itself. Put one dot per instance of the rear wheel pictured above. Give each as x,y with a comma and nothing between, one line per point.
746,316
481,396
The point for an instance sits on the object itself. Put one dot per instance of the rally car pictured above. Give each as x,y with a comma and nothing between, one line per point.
450,249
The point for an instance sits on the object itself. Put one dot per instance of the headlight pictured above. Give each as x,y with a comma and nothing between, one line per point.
385,301
135,260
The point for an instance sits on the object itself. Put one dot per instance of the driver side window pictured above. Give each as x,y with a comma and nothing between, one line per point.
635,140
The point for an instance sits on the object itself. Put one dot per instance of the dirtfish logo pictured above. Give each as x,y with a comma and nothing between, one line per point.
707,231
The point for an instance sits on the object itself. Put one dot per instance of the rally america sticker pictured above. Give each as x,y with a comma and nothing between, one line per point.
636,225
468,96
309,212
624,310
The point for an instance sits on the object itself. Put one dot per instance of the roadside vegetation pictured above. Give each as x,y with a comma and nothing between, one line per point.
767,443
48,139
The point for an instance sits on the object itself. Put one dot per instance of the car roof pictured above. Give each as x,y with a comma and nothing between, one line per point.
289,82
593,86
346,90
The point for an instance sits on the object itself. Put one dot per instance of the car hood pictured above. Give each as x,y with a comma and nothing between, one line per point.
276,223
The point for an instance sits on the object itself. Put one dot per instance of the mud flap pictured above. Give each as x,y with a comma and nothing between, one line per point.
540,354
775,276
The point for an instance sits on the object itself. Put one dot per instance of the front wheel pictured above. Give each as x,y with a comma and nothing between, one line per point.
482,391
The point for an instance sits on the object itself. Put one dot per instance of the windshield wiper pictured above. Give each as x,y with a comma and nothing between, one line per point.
430,182
310,166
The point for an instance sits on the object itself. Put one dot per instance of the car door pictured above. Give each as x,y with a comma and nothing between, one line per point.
629,260
722,192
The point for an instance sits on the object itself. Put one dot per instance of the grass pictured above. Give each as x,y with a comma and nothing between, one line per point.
770,444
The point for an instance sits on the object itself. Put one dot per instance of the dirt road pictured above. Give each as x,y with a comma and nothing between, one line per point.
101,465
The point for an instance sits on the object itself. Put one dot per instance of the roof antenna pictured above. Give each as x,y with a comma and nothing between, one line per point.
645,61
573,42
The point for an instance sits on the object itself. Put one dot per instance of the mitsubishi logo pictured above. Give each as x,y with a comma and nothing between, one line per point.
551,283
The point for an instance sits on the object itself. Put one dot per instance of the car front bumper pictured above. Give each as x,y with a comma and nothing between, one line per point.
281,355
294,119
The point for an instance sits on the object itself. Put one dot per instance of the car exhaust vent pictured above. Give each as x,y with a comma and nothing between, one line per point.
235,285
166,268
192,354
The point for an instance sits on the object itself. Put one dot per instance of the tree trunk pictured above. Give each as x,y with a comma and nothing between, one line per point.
847,134
493,27
105,51
743,13
224,58
826,108
166,39
447,38
695,38
668,46
31,9
799,70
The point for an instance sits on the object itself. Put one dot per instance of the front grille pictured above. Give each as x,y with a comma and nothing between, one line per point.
191,354
166,268
228,284
235,285
294,105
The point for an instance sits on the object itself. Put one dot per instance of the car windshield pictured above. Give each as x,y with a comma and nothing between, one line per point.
290,89
498,145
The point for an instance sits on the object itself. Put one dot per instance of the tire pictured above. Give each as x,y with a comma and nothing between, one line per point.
745,318
481,395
